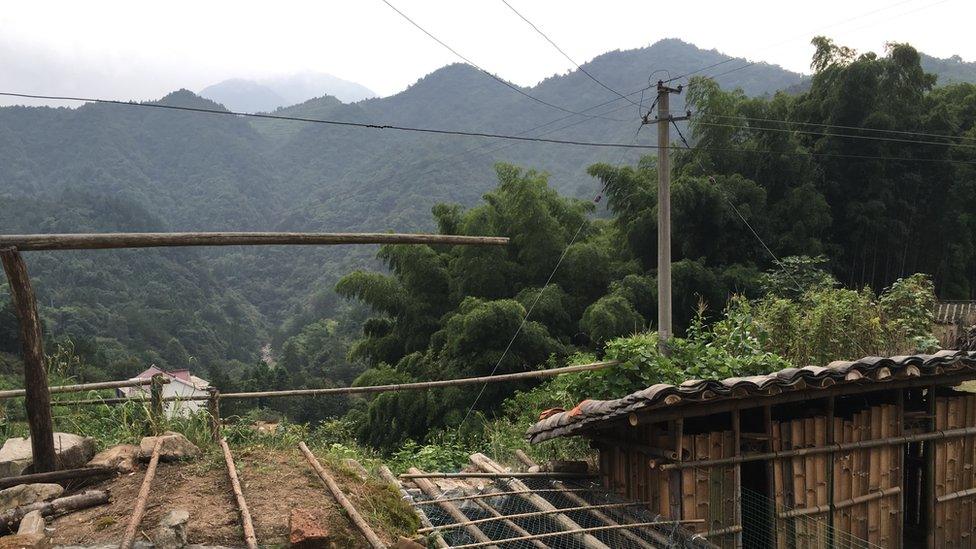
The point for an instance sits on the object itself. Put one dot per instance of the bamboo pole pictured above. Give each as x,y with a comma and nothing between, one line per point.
486,464
503,475
424,384
128,539
250,538
390,478
830,448
38,401
821,509
503,493
429,488
14,393
930,495
103,241
575,531
587,507
213,411
602,517
340,497
58,476
123,400
507,522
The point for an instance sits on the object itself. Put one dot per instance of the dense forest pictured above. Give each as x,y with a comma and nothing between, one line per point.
843,211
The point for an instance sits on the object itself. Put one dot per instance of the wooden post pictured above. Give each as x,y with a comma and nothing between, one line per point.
213,407
156,402
770,474
737,475
250,539
129,538
929,494
38,401
674,477
830,472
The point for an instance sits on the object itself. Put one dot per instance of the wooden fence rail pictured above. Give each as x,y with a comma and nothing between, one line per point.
107,241
82,387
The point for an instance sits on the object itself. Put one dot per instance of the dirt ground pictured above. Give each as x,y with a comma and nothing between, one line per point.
274,482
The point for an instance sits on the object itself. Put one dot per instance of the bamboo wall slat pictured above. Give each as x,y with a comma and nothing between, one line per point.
955,461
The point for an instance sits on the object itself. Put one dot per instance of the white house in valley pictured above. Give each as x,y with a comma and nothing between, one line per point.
181,384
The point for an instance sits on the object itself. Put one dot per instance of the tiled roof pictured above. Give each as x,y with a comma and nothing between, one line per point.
812,378
951,312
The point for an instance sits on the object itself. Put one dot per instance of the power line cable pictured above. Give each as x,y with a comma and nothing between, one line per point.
843,127
566,55
463,133
502,81
839,135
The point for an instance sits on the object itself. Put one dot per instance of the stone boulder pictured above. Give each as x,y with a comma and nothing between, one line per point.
27,494
32,523
171,532
175,447
123,458
73,451
307,532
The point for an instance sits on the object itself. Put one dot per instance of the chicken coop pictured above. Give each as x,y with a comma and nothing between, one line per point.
877,452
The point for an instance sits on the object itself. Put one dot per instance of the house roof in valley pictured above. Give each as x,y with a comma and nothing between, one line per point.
868,374
180,376
951,312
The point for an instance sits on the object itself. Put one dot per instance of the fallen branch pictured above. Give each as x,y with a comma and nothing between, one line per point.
11,518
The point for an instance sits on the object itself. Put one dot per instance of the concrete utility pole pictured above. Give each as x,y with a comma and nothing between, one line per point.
664,120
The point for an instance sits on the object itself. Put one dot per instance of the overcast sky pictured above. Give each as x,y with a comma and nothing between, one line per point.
143,50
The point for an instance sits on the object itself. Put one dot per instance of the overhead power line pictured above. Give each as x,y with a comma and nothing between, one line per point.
462,133
493,76
566,55
842,127
840,135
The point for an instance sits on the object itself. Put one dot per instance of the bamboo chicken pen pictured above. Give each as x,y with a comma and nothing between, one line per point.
879,452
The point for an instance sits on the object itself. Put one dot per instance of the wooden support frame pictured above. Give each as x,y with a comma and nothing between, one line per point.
431,490
507,522
391,479
364,528
831,448
38,401
587,507
486,495
250,538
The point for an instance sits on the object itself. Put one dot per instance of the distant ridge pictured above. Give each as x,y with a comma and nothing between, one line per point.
268,94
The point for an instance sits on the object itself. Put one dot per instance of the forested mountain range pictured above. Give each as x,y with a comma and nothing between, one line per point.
268,94
110,167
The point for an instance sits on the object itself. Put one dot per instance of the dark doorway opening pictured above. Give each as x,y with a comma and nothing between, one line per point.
757,508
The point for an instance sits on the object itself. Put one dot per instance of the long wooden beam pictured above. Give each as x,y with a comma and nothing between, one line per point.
422,385
13,393
105,241
250,538
63,475
38,401
502,475
129,537
364,528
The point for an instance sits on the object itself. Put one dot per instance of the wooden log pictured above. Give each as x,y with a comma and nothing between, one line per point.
58,477
930,459
597,514
357,519
105,241
737,476
129,537
38,401
156,402
532,514
874,477
511,493
506,520
422,385
821,509
570,532
504,475
941,449
488,465
10,518
250,538
431,490
82,387
389,477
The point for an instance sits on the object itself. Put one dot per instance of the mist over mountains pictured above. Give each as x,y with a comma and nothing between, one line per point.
268,94
116,168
